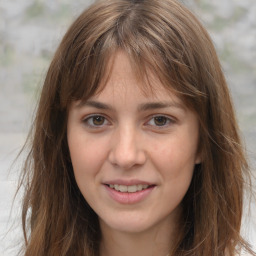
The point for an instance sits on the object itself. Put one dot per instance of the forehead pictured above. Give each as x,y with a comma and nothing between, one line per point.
123,79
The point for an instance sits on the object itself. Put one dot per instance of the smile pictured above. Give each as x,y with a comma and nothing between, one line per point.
129,194
129,189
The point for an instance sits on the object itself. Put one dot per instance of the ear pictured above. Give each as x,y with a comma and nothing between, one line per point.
198,159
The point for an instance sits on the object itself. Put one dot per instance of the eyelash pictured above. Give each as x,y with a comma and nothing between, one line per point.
88,121
90,118
168,121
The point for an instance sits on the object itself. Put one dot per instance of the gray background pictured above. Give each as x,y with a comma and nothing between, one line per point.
30,31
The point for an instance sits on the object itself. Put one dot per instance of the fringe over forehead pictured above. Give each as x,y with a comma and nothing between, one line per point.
162,37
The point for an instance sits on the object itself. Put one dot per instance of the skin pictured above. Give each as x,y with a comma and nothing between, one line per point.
125,134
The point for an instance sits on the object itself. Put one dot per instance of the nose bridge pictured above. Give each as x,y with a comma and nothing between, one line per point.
127,149
127,140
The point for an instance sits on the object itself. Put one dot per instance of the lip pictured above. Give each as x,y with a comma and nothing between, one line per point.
128,182
126,197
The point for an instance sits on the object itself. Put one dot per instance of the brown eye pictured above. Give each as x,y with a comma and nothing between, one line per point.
98,120
160,120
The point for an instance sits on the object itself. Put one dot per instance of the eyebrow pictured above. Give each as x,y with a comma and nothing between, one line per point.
95,104
142,107
159,105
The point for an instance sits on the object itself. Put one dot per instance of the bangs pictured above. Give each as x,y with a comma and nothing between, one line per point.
160,52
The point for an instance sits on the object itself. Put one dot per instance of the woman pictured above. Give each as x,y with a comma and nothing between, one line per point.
135,147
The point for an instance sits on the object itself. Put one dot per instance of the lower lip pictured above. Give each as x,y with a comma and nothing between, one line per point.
129,198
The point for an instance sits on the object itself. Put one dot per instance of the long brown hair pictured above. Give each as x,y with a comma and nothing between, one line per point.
165,38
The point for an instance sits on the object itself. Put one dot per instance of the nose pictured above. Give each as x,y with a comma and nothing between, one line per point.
127,149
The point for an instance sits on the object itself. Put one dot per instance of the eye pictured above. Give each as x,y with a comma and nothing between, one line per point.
160,121
96,121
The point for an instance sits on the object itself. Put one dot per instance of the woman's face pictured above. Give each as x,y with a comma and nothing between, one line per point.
133,153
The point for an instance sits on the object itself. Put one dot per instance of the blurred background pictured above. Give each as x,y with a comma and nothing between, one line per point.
30,31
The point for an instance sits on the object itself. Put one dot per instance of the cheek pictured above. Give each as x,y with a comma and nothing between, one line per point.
85,164
84,157
176,167
87,155
175,158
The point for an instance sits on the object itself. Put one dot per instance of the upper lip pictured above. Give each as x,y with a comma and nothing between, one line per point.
127,182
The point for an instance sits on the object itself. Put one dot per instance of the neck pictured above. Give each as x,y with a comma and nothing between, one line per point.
157,241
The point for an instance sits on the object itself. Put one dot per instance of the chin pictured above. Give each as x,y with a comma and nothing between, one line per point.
132,223
128,227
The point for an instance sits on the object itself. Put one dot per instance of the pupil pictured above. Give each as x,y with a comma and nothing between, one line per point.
98,120
160,120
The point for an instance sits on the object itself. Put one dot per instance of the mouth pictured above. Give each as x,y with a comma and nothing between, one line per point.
129,189
129,192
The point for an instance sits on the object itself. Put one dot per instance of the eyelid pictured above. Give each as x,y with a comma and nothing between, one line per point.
170,121
88,117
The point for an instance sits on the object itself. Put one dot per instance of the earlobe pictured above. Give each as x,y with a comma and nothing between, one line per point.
198,159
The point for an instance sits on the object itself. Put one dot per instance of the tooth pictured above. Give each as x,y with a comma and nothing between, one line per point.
144,186
122,188
139,187
132,189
